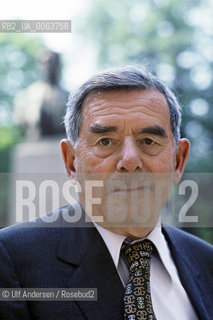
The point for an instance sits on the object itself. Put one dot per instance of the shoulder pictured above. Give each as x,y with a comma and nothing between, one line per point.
29,230
31,239
187,242
43,233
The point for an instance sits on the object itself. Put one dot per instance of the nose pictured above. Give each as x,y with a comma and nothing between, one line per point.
129,160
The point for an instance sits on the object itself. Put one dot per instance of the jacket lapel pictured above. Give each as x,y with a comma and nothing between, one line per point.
83,247
188,269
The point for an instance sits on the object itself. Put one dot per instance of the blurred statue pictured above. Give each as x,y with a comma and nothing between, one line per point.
39,109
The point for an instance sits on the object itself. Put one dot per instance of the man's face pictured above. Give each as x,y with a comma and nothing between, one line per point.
126,136
126,145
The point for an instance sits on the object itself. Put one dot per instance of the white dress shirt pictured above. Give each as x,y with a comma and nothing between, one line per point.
169,299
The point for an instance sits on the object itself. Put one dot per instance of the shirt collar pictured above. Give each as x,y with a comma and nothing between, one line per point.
114,242
157,238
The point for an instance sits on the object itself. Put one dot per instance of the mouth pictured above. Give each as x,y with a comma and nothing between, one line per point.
129,189
128,184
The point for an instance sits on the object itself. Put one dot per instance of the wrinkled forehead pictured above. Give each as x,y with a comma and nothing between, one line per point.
99,100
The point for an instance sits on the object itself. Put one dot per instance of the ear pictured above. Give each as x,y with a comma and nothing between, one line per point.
68,154
182,155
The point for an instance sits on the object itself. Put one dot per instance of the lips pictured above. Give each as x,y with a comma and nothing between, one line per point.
127,183
129,189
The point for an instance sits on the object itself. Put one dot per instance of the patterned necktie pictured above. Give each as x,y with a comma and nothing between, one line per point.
137,296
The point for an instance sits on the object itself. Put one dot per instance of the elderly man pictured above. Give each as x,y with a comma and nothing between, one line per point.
124,152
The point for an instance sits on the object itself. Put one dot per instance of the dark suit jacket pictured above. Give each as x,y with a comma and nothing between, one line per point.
64,256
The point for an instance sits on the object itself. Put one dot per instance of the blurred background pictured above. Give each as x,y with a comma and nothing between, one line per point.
172,38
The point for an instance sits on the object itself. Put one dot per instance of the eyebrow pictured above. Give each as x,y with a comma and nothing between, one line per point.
99,128
156,130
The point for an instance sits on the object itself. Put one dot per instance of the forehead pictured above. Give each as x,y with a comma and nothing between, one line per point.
146,105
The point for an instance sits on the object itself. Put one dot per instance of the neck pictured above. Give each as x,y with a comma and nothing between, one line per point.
133,233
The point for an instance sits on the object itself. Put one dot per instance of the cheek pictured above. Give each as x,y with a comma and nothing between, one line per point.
163,163
88,161
100,165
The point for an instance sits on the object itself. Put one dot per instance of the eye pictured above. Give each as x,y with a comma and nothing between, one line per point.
148,141
105,141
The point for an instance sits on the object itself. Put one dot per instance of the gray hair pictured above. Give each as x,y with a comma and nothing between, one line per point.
124,78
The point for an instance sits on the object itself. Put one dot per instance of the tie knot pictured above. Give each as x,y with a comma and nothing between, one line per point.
138,255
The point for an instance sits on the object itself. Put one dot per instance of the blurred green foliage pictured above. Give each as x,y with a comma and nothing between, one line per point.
9,136
17,71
